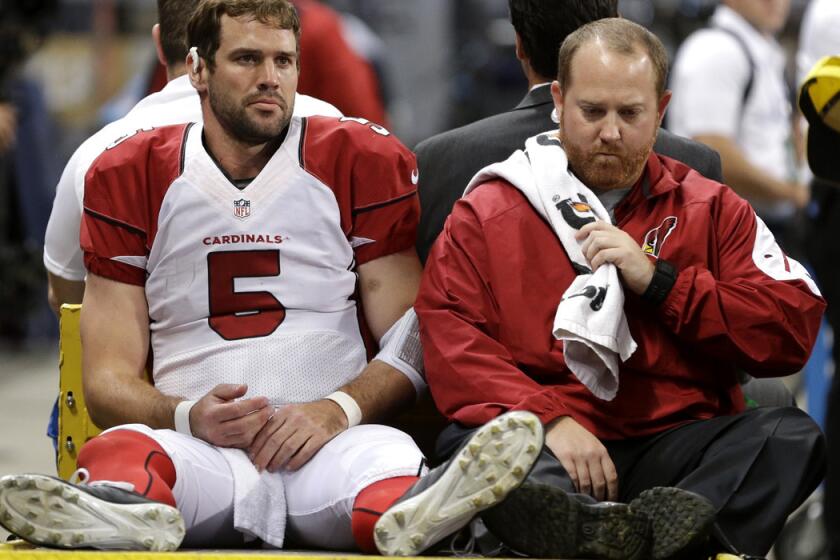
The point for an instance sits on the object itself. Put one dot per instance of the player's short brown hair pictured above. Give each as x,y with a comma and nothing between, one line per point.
619,35
204,28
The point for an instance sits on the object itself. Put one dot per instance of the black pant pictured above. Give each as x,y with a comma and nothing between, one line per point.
755,468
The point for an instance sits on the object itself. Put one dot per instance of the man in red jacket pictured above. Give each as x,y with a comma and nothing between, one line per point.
706,290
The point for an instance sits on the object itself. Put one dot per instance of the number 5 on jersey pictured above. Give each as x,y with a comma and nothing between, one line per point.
237,315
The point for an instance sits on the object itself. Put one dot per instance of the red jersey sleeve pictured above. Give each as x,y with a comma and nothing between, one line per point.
374,178
123,191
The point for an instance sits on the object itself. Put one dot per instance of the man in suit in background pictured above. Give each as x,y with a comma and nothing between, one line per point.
449,160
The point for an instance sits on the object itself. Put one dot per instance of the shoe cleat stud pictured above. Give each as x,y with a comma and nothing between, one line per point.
172,519
72,497
531,449
31,514
498,491
531,424
26,530
77,538
5,515
482,461
518,472
399,517
500,447
417,540
152,515
506,461
474,449
477,502
382,533
57,506
55,538
491,478
149,542
495,430
512,423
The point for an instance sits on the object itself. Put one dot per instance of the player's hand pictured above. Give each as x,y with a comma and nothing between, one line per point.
584,457
605,243
218,418
295,433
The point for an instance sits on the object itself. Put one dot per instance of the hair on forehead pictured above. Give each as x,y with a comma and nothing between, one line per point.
204,28
618,35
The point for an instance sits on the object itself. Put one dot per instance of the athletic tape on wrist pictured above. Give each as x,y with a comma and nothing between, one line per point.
349,405
400,348
182,417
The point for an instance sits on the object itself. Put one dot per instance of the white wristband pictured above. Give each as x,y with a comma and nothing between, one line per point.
349,405
182,417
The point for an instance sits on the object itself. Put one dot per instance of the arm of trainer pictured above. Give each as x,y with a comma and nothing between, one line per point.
295,433
115,342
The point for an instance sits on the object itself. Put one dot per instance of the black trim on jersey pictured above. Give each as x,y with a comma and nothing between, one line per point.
302,140
114,222
184,148
363,209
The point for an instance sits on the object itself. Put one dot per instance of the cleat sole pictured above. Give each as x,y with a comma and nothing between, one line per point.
480,475
49,512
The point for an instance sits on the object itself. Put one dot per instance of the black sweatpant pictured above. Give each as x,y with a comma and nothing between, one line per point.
755,467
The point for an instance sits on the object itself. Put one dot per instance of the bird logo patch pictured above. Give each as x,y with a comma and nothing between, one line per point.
655,238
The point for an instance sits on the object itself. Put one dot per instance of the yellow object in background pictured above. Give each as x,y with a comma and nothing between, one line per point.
74,424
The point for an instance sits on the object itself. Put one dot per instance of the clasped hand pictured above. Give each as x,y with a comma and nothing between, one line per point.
605,243
274,438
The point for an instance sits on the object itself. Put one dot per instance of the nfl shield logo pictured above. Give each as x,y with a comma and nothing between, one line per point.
241,208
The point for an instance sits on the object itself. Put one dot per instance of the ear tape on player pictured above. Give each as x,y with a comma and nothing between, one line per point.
194,56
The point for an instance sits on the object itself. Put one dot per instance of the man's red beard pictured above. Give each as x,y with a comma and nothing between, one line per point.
595,171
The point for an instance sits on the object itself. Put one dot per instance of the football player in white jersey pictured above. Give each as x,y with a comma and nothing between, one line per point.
256,254
176,103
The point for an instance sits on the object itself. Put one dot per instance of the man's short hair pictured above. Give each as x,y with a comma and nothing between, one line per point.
543,25
621,36
204,28
173,16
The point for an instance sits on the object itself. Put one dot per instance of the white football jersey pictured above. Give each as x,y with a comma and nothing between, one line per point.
252,285
176,103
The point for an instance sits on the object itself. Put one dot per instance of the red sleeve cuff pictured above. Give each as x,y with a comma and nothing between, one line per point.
115,270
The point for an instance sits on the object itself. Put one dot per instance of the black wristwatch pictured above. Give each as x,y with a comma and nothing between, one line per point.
664,277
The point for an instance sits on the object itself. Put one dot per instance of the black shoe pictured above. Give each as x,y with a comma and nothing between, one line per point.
494,461
48,511
544,522
680,520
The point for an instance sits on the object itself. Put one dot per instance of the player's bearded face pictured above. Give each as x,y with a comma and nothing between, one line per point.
242,120
604,166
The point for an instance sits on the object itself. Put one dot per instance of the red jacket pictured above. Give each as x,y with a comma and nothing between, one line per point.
496,274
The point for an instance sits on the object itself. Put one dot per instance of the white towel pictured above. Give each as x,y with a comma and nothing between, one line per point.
590,317
259,500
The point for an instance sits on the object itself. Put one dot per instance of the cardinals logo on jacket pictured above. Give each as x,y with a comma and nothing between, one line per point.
655,238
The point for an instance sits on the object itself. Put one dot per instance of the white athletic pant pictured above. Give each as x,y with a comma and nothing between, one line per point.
319,496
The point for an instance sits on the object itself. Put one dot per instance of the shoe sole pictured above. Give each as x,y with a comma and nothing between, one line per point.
496,460
679,519
50,512
544,522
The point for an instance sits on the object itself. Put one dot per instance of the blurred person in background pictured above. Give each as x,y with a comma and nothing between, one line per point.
730,93
332,70
26,166
820,37
448,161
